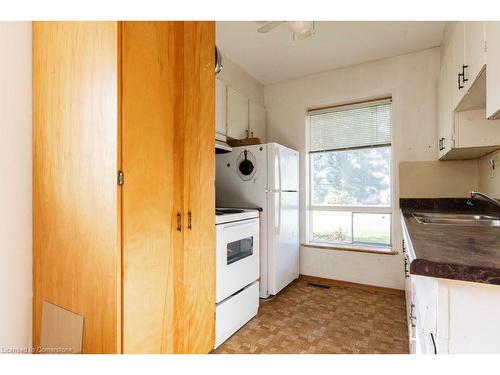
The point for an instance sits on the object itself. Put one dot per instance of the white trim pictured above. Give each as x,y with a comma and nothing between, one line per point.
354,209
310,207
355,246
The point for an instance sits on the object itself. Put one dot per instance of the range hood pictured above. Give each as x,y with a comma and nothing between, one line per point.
221,146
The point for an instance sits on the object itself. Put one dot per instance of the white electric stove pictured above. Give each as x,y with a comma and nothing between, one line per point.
237,269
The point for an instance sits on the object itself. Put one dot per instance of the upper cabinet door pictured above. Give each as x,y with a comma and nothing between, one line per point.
257,121
457,51
220,106
237,114
446,87
492,69
474,50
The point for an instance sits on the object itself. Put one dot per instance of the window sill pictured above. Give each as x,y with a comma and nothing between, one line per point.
353,248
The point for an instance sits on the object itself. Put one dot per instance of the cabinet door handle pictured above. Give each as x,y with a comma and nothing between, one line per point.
407,272
179,222
463,73
441,144
412,317
460,86
189,220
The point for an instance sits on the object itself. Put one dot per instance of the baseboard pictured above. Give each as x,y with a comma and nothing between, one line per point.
332,282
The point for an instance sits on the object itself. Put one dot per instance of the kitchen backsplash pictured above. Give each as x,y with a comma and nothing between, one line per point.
450,179
438,179
489,174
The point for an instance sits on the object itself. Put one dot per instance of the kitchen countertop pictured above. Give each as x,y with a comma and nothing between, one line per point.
449,251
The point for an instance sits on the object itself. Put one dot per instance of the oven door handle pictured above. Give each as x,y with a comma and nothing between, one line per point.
240,225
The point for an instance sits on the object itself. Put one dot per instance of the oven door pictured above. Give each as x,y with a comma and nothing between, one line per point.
237,256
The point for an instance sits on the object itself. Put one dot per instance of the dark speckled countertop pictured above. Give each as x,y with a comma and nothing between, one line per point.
448,251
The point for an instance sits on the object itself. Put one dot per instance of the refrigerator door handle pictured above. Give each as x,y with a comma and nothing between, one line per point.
277,228
277,160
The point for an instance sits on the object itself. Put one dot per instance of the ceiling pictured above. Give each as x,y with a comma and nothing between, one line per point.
275,57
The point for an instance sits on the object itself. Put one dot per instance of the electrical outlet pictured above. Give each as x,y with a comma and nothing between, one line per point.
491,166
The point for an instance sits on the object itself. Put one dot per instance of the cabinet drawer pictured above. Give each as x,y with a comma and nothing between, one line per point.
234,312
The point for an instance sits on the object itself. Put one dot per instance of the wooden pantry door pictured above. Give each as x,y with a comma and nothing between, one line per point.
76,251
199,186
152,189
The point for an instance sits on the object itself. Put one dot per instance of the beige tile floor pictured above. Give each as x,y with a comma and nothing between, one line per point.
308,319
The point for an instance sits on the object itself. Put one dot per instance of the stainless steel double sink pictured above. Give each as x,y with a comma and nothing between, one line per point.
474,220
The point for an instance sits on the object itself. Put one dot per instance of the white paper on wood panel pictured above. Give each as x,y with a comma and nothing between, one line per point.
62,330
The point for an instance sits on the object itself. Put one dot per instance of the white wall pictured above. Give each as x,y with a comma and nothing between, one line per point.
411,81
15,188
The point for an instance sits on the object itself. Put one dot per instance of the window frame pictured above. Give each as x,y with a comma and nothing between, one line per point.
386,209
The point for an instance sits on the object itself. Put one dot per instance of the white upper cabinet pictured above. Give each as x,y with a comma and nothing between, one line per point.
474,51
446,87
237,114
257,121
493,69
467,93
457,53
220,107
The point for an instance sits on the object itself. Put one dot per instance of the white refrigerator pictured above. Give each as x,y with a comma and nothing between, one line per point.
266,176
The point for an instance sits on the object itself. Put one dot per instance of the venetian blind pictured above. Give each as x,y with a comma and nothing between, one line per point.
365,125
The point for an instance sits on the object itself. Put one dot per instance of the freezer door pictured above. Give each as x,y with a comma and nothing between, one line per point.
283,240
283,169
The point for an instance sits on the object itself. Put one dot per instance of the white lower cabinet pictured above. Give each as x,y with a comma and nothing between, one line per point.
453,317
450,316
422,315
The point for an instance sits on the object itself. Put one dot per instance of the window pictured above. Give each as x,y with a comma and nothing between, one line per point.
350,175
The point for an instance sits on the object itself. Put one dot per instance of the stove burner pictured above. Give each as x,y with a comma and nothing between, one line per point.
224,211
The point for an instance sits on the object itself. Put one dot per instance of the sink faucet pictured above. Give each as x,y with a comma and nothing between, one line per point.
475,194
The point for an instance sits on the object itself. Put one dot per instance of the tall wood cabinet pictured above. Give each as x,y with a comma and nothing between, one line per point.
136,260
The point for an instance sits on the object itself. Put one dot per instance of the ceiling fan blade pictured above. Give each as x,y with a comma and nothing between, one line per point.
269,26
